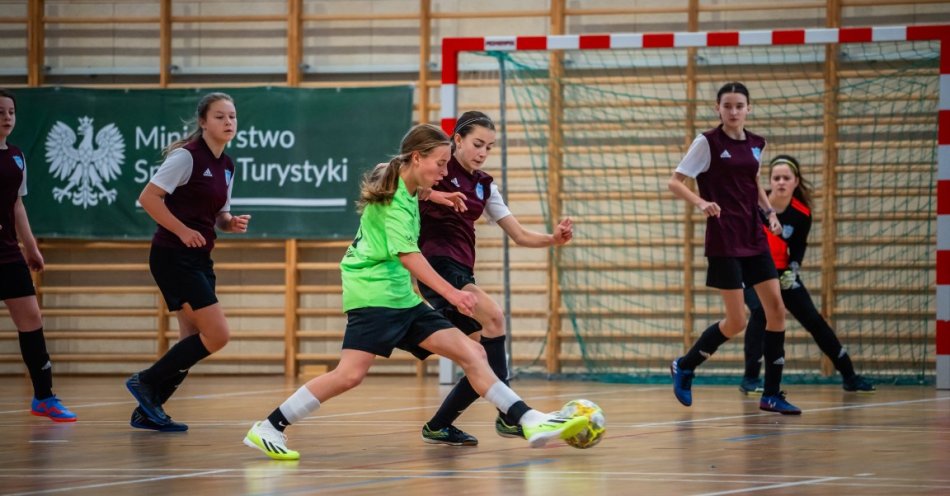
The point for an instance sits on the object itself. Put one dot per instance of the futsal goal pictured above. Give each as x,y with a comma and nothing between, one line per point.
593,126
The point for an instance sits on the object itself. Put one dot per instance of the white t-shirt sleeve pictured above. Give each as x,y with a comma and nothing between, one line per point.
697,159
227,203
174,171
22,190
495,209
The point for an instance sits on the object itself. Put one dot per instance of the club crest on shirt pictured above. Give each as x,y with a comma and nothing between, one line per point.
757,153
19,161
787,231
455,181
480,191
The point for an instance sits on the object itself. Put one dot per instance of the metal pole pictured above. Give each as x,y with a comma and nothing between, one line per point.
503,148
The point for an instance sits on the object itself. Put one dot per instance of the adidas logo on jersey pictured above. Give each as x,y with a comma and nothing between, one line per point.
725,154
207,173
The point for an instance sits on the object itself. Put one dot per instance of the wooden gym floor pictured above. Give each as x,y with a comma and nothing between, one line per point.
896,441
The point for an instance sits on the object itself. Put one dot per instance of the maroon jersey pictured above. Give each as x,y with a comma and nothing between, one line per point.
197,201
447,233
12,176
731,181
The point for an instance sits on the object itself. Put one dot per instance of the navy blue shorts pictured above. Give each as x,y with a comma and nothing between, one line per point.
458,276
15,281
184,276
380,330
733,272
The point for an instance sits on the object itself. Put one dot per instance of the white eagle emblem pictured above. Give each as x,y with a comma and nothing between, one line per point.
86,169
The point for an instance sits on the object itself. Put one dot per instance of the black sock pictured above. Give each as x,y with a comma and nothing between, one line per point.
459,398
168,388
498,361
752,343
516,411
278,420
463,394
180,358
826,340
774,361
33,350
707,344
843,364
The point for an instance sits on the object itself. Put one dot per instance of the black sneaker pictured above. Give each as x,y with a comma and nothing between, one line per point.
505,430
751,386
858,384
141,421
448,435
147,398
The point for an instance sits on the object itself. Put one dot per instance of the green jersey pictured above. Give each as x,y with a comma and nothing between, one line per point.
372,274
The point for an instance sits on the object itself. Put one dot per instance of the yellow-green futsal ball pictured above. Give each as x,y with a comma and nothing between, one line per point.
590,436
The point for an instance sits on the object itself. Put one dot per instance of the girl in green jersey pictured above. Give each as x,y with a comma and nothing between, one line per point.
384,313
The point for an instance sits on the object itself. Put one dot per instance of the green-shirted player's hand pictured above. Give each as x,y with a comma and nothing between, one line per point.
464,301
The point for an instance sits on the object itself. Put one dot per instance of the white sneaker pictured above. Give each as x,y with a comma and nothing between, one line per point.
271,441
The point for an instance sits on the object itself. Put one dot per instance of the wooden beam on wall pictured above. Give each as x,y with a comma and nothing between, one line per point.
555,159
165,44
36,42
294,42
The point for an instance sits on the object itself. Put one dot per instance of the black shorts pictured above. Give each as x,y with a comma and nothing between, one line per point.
380,330
15,281
183,276
458,276
733,272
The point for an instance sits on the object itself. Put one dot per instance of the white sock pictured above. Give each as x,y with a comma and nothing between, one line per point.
300,404
501,396
533,417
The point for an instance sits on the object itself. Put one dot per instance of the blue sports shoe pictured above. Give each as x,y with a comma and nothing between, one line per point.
777,403
52,408
148,399
682,383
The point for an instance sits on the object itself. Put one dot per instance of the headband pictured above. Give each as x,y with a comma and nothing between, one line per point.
459,127
789,163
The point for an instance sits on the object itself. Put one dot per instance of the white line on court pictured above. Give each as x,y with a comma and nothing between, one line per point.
773,486
770,414
122,483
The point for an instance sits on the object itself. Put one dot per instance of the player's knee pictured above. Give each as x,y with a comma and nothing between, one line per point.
473,354
350,378
216,339
730,328
495,326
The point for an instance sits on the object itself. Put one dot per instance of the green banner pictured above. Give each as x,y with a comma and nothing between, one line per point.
299,155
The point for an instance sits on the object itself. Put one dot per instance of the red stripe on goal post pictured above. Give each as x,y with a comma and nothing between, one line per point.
943,197
659,40
943,124
943,267
788,37
729,38
532,43
855,35
594,41
450,52
943,337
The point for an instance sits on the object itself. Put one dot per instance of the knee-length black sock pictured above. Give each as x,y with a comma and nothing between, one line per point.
33,350
179,359
774,362
707,344
463,395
